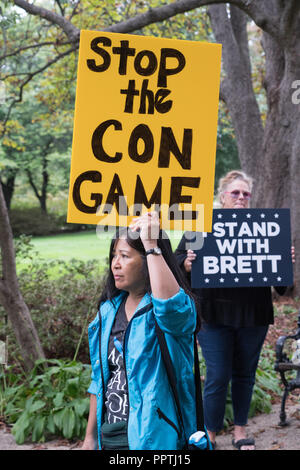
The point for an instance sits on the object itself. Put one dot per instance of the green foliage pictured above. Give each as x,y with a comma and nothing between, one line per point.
62,297
35,144
27,220
288,309
51,401
266,385
61,306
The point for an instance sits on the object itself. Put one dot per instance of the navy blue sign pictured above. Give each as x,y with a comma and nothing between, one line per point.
247,247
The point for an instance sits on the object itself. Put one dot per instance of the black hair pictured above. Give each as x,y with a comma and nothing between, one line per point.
134,241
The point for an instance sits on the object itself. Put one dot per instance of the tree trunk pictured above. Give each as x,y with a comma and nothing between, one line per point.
11,297
278,180
269,154
236,89
42,195
8,188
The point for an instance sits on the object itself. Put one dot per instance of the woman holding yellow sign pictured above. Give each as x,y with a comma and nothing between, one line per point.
131,405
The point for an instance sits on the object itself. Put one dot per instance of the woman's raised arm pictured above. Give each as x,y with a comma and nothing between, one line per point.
162,280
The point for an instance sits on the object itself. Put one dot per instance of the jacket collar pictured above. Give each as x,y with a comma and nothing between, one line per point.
112,305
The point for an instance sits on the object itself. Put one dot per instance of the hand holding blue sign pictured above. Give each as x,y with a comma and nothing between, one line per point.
192,255
246,248
188,262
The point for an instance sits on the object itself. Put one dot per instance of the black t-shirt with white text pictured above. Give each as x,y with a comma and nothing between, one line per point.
116,401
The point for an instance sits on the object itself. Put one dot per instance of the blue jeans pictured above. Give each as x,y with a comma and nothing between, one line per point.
230,354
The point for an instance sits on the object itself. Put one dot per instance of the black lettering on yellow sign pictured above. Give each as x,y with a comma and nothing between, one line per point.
167,145
143,101
149,101
116,194
144,129
124,51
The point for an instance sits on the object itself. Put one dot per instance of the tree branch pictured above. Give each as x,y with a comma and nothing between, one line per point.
69,29
74,10
32,184
31,75
254,8
33,46
61,9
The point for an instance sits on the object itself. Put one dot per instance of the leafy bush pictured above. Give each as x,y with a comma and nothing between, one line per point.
52,400
32,221
62,297
267,384
62,307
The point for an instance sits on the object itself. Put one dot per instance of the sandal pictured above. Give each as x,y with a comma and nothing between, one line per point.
243,442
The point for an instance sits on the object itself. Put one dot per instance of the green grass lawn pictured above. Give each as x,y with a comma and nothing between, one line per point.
80,245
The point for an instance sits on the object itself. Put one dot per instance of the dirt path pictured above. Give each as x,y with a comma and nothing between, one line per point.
264,428
266,432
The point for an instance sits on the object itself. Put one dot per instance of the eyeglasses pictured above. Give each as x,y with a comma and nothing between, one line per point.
235,194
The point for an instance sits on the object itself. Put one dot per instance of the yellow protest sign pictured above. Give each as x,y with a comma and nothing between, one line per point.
144,130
